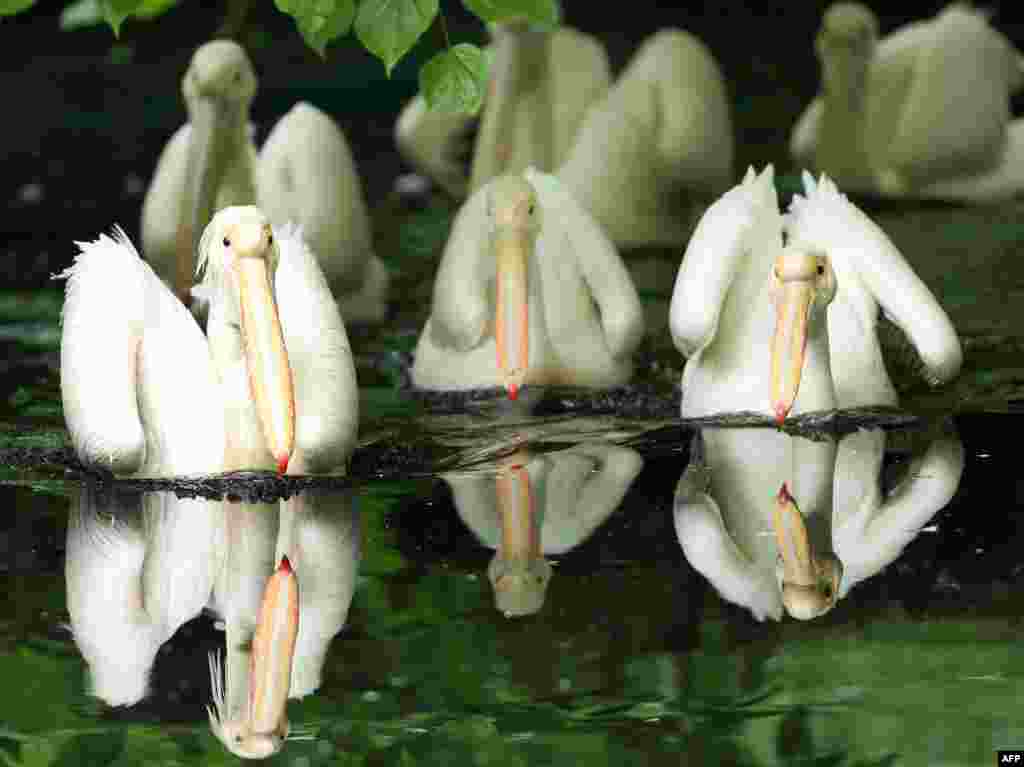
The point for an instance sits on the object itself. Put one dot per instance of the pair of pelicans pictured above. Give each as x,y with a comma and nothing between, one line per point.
531,289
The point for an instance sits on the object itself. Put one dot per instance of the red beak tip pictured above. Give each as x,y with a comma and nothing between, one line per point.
285,565
282,464
781,411
784,494
513,391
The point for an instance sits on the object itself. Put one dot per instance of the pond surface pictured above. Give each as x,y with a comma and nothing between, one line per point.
576,586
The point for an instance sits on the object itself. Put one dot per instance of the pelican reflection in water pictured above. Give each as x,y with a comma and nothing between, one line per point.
280,578
538,505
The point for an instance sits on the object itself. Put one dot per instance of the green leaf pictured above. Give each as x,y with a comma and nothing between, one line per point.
89,13
389,28
83,13
116,11
11,7
455,80
150,9
320,22
545,12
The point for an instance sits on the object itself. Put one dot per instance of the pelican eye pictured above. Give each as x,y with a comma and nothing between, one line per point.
531,209
238,77
227,243
821,269
270,239
827,591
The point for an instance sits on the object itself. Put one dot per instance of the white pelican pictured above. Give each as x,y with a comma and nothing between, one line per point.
922,113
657,147
542,80
764,550
539,505
304,173
133,579
739,277
740,508
272,385
529,291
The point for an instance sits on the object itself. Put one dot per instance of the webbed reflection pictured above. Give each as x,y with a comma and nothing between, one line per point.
537,505
139,565
777,522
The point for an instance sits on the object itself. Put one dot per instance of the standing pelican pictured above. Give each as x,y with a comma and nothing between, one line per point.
541,82
272,385
304,173
747,269
924,112
657,147
529,291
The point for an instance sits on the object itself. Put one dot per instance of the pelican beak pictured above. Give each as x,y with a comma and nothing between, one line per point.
810,583
511,328
206,163
519,573
270,375
794,291
273,647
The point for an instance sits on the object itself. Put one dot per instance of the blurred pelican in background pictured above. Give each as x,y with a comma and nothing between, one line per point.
541,82
304,173
922,113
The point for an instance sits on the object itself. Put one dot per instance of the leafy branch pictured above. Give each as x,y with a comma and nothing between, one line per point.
453,80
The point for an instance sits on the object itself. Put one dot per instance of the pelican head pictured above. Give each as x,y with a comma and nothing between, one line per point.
218,88
239,258
810,579
519,584
514,217
261,727
845,43
802,286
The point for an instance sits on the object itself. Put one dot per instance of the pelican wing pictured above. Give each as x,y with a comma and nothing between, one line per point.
583,487
580,75
306,174
869,267
320,533
869,532
566,223
748,213
714,554
323,372
429,140
461,304
803,141
957,106
140,393
104,559
162,207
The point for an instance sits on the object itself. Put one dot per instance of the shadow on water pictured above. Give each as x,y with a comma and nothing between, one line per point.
588,581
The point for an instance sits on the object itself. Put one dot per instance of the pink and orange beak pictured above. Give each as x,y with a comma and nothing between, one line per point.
513,206
273,649
810,581
266,357
519,573
795,285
